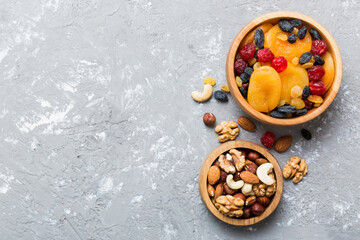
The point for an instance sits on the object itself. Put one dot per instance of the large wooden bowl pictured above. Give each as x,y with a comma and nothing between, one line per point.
245,145
273,18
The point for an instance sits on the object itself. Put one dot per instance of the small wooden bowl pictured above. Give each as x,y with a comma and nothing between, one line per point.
273,18
245,145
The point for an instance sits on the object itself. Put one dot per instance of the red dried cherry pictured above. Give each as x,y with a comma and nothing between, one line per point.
308,105
268,139
279,64
265,55
317,88
316,72
248,51
319,47
240,66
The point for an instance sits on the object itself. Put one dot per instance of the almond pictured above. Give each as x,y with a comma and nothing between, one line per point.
247,124
213,175
218,190
249,177
283,143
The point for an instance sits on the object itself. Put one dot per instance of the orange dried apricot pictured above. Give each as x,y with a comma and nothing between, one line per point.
250,36
329,70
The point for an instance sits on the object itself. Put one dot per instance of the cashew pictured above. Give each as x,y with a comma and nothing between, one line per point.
247,189
204,95
263,171
232,184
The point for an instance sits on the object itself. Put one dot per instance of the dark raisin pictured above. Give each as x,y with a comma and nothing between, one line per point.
295,22
243,92
220,96
305,57
300,112
245,78
306,92
255,56
285,26
259,38
306,134
292,38
277,114
302,32
287,109
248,71
315,34
319,60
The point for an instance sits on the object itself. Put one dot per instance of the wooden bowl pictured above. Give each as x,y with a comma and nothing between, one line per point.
244,145
273,18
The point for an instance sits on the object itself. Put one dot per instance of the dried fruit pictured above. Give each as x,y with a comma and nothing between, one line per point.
245,86
308,105
277,114
247,52
210,80
243,92
283,143
240,66
316,73
319,48
246,123
306,134
238,81
305,57
259,38
317,88
285,26
292,38
248,71
209,119
282,36
279,64
312,60
245,78
307,65
295,22
225,88
298,103
318,60
296,92
300,112
257,65
287,109
281,103
252,61
251,36
329,68
220,96
295,61
302,32
265,55
296,30
268,139
306,92
257,209
315,34
317,105
315,99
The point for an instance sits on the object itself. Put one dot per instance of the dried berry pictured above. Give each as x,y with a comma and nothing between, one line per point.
302,32
240,66
292,38
287,109
210,80
248,71
319,48
306,92
279,64
305,57
318,60
265,55
285,26
300,112
309,105
259,38
306,134
247,52
245,85
245,78
268,139
316,73
317,88
295,22
220,96
315,34
277,114
243,92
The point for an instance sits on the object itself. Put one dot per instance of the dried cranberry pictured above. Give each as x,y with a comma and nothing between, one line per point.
317,88
265,55
248,51
316,73
279,64
308,105
319,47
245,85
240,66
268,139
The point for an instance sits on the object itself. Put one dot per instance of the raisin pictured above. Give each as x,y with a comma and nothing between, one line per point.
277,114
300,112
319,48
295,61
238,81
281,103
279,64
298,103
306,134
309,105
292,38
243,92
259,38
319,60
307,65
240,66
305,57
316,73
245,78
285,26
247,52
296,91
306,92
255,55
245,86
225,88
302,32
265,55
317,88
220,96
282,36
315,99
248,71
315,34
287,109
268,139
295,22
210,80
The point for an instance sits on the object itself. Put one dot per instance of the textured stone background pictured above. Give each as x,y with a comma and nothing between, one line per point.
100,138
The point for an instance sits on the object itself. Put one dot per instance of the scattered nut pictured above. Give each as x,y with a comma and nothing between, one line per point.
249,177
204,95
250,201
296,168
226,165
213,175
260,161
232,184
263,200
246,124
283,143
253,156
263,171
238,158
257,209
211,190
209,119
227,130
250,166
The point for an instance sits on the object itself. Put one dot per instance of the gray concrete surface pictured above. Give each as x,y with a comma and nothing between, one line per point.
100,138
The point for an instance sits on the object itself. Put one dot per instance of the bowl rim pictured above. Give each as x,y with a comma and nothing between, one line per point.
330,94
214,154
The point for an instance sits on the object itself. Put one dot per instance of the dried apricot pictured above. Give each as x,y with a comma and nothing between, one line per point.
329,70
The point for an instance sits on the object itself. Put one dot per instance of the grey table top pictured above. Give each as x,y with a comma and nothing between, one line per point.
100,138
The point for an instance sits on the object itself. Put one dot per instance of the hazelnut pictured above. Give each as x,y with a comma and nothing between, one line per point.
236,176
223,176
209,119
216,163
253,156
240,195
257,209
250,201
263,200
246,212
260,161
228,190
250,166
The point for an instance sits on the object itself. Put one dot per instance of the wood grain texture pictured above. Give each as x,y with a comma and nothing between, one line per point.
246,145
273,18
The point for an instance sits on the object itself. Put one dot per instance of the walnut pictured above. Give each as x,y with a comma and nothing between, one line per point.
230,206
270,190
296,168
226,165
227,130
259,189
238,158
